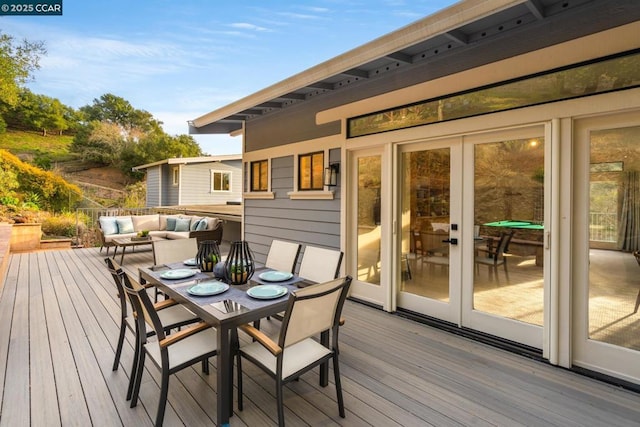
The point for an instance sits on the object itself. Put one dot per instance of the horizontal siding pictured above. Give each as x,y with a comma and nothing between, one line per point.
196,183
153,186
310,222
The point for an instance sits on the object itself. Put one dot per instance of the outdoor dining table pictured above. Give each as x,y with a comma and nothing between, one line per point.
225,312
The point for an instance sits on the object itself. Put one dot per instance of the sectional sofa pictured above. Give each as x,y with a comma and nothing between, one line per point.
159,227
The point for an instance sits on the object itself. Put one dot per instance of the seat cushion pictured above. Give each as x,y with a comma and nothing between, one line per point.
295,358
177,235
187,349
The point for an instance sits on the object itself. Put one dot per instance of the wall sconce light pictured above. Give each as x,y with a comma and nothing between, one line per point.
331,174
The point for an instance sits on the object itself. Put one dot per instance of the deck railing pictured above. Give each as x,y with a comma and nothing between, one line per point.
603,227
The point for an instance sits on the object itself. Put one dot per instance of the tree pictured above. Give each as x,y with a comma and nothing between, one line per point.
158,146
117,110
18,61
38,112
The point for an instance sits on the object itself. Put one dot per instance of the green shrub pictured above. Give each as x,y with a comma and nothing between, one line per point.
63,224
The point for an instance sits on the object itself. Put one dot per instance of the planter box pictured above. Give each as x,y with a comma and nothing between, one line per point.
25,237
55,244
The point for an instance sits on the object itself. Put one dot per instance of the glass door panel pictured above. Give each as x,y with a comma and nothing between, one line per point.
369,173
614,236
425,207
508,278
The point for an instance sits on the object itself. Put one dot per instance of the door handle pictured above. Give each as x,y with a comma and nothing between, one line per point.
453,241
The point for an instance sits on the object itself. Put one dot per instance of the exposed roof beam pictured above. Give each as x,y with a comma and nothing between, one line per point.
321,85
292,95
355,72
536,8
270,104
399,56
457,36
251,112
234,118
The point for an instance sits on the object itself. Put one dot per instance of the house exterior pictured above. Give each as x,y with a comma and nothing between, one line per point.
207,180
488,162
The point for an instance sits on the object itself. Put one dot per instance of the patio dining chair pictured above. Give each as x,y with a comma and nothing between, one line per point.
170,354
172,315
283,256
493,257
320,264
310,311
168,251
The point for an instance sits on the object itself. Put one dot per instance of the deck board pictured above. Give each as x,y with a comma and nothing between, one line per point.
59,317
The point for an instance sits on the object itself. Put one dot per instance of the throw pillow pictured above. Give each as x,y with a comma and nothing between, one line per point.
171,224
108,225
202,225
182,224
125,225
194,223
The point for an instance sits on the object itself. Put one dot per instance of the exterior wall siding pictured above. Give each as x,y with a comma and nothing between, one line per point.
310,222
153,187
170,193
196,183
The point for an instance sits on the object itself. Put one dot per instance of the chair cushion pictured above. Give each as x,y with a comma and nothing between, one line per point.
182,224
296,357
171,224
125,225
108,225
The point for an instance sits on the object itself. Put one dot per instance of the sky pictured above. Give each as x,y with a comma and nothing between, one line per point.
181,59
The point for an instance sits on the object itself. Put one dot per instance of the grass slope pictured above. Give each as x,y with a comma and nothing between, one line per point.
33,143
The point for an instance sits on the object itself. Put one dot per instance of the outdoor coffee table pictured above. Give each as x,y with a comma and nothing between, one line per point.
125,242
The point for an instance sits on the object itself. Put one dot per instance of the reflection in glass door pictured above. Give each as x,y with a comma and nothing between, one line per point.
426,191
606,234
369,173
508,278
614,236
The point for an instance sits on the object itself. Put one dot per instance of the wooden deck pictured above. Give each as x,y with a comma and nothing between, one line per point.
58,327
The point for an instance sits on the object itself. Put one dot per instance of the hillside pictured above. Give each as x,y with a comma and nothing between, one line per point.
100,184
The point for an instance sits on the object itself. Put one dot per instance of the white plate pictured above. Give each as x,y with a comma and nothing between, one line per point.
267,291
180,273
191,262
204,289
275,276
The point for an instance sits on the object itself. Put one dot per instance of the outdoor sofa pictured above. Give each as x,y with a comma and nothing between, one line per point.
159,227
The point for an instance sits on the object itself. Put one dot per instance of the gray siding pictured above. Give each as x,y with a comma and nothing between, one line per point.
169,191
310,222
196,183
153,187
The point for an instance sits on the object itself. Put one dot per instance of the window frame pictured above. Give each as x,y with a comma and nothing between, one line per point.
259,163
175,176
299,177
212,174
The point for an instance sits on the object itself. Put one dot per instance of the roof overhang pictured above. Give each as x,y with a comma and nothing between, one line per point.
189,160
464,24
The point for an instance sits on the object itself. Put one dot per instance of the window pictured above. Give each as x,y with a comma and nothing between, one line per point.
593,78
220,181
260,175
310,171
176,175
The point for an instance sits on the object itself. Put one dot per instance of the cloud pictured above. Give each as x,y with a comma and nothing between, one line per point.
247,26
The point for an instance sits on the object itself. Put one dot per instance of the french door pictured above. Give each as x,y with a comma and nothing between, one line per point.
367,227
472,227
606,230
